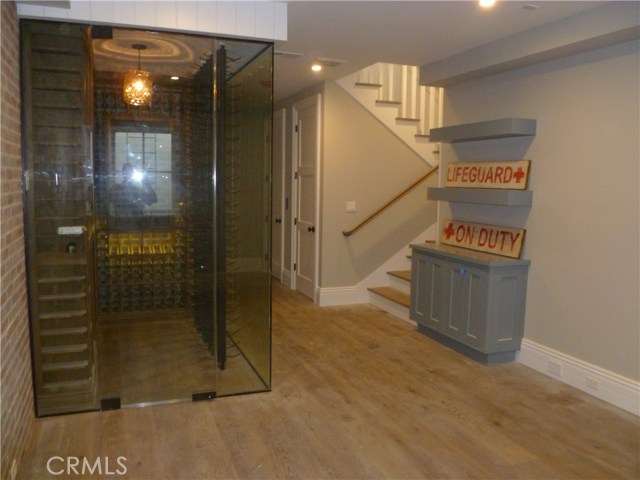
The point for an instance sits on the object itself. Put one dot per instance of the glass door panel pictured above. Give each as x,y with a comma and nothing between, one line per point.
153,167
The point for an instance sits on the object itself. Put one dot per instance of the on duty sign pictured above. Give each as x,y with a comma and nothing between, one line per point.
498,175
483,238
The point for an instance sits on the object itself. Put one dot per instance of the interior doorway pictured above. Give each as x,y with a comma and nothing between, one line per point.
148,244
306,161
278,206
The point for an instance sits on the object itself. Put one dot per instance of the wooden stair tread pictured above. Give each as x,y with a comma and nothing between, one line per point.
365,84
393,295
406,119
403,274
388,102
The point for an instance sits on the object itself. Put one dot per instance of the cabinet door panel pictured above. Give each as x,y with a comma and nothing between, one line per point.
419,288
507,310
474,331
439,294
459,284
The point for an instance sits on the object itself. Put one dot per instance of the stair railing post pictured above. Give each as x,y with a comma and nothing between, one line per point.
415,97
433,107
423,113
404,97
387,82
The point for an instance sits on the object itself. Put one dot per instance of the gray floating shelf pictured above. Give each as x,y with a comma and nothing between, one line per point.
509,198
469,132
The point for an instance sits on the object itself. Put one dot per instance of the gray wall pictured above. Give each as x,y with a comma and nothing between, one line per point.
583,229
365,163
362,161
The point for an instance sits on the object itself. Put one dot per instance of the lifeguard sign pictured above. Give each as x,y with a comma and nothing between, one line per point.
483,238
498,175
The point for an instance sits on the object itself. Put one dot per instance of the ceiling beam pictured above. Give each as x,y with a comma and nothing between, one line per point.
598,28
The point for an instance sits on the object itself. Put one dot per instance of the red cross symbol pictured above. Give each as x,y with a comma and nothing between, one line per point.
519,174
449,231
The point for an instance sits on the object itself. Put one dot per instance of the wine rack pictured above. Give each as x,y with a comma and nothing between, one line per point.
141,271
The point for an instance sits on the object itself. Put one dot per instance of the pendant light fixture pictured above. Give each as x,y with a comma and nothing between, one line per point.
138,84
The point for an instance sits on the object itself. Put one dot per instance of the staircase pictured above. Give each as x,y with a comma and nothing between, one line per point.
393,94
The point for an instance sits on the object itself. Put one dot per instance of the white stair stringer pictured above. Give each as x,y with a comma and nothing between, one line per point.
393,116
359,293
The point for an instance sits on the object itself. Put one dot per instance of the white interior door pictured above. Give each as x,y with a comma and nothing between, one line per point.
277,192
307,133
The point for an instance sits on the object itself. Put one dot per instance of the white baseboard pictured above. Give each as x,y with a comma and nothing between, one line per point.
286,277
329,296
603,384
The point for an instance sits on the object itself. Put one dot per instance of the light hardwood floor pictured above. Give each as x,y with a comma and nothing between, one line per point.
358,394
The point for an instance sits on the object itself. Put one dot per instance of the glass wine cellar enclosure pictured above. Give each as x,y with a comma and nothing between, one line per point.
147,218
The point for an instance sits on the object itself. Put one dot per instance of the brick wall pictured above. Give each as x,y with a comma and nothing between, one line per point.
16,394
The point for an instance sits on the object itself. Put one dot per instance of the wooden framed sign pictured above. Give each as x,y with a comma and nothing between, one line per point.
498,175
483,238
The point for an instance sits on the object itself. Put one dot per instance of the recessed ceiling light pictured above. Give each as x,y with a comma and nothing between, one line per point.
175,78
487,3
316,67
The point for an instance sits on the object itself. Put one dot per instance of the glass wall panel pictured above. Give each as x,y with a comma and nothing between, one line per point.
59,221
247,152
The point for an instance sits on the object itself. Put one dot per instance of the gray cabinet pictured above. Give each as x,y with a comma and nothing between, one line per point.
471,301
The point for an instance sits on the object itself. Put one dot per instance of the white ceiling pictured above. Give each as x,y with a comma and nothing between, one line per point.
408,32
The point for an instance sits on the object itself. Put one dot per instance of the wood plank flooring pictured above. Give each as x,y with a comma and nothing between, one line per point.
358,394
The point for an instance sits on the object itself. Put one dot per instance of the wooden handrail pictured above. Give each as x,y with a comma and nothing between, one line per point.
390,202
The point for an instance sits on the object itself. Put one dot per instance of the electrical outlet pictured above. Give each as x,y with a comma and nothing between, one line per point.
351,206
593,383
555,369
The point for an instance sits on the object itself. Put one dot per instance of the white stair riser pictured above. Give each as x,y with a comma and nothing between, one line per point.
400,284
391,307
